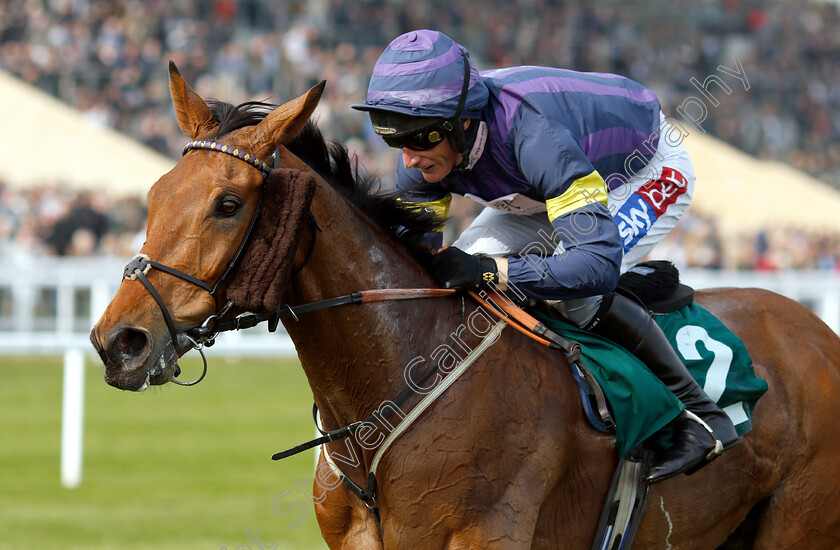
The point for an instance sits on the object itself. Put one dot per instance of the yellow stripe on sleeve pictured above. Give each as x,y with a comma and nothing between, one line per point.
440,207
586,190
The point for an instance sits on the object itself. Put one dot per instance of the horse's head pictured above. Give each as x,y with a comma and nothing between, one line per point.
199,214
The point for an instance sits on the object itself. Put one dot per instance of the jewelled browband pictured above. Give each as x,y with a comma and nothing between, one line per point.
230,150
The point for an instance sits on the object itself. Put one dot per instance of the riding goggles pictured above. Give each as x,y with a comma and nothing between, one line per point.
422,139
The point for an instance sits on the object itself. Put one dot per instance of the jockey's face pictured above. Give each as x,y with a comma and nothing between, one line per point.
435,163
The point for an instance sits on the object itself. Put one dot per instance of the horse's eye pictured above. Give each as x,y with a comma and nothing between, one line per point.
227,207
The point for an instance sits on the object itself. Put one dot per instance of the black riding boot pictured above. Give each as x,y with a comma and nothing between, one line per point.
631,326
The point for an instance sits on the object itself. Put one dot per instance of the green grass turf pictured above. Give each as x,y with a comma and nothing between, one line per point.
170,468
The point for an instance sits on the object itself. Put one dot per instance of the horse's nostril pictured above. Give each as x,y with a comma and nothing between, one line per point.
128,344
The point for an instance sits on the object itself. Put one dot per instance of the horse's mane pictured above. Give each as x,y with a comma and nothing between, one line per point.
332,161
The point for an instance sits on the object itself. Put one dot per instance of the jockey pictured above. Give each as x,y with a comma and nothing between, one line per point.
579,179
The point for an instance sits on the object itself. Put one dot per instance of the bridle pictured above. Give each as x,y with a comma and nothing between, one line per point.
141,264
204,334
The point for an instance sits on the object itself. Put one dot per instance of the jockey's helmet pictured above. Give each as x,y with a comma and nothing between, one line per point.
423,79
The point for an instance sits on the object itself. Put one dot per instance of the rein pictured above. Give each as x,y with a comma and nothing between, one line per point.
250,320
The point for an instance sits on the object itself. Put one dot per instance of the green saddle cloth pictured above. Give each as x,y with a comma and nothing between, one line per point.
640,402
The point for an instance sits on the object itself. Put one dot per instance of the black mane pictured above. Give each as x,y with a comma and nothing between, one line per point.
332,161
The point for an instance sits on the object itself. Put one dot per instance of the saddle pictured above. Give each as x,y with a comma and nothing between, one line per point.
656,285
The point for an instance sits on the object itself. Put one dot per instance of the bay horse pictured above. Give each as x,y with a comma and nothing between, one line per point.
504,458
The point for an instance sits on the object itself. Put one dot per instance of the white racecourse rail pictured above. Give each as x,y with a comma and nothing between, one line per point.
48,306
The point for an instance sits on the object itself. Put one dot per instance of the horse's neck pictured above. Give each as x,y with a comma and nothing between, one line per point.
354,355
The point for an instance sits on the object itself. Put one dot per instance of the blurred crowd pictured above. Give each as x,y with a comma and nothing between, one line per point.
57,221
108,59
53,220
697,241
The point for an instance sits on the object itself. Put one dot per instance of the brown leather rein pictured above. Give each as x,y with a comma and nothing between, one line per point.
502,307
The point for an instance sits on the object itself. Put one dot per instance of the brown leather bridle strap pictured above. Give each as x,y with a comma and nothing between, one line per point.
381,295
516,317
492,306
250,320
501,307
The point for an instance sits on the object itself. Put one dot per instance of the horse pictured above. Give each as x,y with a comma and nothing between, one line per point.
504,458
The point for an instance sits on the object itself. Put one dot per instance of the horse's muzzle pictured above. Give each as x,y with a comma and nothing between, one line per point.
130,358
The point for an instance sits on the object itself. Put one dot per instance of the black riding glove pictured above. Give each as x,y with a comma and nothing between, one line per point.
454,268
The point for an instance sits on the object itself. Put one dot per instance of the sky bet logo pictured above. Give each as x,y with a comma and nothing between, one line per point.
636,216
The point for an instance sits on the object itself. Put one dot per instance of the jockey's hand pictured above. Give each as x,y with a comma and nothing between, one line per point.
454,268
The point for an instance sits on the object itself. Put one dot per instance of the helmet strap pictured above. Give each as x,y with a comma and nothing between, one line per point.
457,132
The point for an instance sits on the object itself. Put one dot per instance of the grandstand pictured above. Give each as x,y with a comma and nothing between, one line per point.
746,194
52,142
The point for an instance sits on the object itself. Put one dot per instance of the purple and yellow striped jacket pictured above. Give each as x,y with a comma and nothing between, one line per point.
554,137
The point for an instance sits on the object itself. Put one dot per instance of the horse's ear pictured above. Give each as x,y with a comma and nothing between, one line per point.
285,122
193,114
